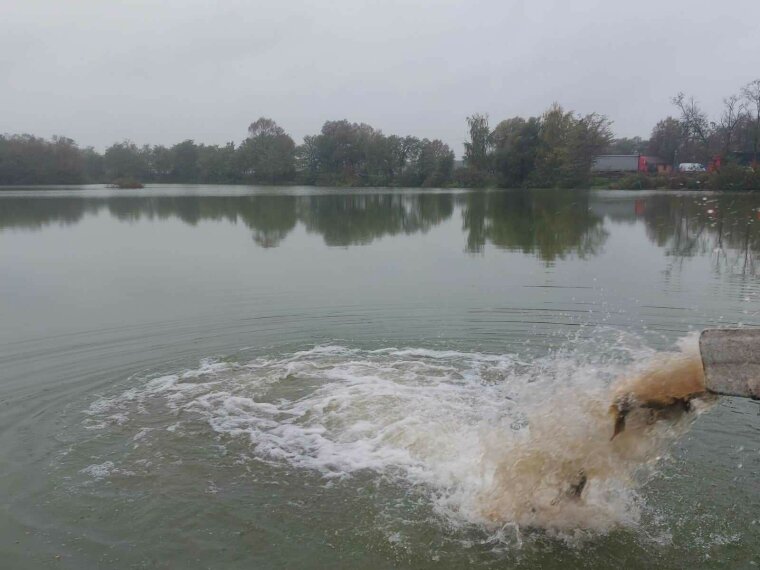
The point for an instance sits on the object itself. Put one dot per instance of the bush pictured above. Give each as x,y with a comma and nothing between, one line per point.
752,179
126,183
472,178
729,177
638,181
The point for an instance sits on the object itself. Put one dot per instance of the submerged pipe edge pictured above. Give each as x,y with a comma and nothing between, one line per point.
731,361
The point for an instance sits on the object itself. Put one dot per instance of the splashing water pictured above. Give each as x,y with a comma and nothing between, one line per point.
492,440
566,471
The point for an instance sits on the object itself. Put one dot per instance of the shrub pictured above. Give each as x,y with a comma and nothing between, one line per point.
638,181
126,183
730,177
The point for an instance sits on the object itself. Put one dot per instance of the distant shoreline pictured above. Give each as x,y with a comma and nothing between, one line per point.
557,149
157,185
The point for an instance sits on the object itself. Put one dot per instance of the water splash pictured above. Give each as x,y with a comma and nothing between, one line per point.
569,469
493,440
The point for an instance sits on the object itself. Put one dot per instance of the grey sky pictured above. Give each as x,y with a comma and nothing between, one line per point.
161,72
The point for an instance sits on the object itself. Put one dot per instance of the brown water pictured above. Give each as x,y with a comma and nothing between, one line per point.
251,377
565,471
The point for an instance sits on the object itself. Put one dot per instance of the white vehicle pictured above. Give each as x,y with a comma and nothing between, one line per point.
691,167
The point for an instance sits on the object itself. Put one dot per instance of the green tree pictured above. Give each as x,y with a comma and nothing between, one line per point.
125,160
341,156
435,163
184,162
25,159
307,159
94,168
552,146
477,150
268,154
587,137
667,137
68,164
216,164
515,149
161,163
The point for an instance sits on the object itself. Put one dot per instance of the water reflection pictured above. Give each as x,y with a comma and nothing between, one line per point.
726,227
362,218
34,214
341,220
271,218
549,225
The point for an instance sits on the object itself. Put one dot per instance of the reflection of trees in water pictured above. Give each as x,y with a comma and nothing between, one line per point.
549,224
36,213
130,208
270,217
341,219
725,226
361,218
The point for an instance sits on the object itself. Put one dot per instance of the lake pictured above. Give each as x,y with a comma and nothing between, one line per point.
239,377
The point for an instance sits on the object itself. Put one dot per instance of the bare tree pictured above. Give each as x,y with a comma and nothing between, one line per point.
694,120
733,109
751,94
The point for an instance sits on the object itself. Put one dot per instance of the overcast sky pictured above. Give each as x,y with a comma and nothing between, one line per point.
158,72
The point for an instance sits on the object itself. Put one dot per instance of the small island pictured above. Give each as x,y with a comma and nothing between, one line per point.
126,184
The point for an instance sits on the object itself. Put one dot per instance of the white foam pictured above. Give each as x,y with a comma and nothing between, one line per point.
99,470
488,437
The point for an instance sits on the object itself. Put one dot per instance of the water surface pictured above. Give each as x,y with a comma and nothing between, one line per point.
287,377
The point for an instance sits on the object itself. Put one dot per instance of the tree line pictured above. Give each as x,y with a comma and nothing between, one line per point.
557,149
691,135
553,150
343,153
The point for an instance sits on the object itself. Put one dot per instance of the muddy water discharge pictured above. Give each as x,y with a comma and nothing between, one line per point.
577,465
491,440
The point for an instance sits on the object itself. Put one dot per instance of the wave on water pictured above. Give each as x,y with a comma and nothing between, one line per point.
492,440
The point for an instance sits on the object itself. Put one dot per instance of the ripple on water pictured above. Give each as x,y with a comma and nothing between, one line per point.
487,440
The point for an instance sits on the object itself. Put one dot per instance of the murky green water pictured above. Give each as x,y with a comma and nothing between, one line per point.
229,377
